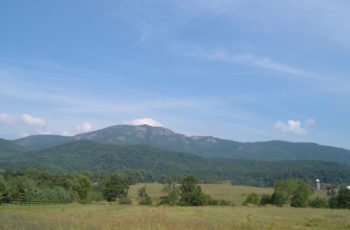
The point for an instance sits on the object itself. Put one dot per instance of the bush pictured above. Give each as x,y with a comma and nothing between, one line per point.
225,203
318,202
145,198
343,198
332,202
299,200
278,199
146,201
125,201
252,198
265,199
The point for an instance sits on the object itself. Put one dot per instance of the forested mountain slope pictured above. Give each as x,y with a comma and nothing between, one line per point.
204,146
84,155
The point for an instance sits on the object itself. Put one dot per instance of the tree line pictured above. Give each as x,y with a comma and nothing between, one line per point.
39,185
296,193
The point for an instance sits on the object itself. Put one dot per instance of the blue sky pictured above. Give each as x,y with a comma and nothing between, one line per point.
244,70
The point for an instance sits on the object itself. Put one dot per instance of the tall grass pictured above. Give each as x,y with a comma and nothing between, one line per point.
173,218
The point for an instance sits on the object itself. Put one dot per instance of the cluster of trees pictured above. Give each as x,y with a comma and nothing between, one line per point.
189,193
38,185
296,193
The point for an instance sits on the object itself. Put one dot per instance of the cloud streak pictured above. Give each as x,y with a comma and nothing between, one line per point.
6,119
33,121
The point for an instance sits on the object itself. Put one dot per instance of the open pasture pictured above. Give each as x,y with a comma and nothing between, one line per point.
133,217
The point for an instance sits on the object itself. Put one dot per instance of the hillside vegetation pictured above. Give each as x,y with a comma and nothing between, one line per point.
201,145
83,156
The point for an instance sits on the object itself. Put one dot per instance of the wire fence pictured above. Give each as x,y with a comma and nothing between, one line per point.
27,203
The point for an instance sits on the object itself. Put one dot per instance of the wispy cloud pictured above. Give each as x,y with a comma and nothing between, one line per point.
6,119
33,121
163,19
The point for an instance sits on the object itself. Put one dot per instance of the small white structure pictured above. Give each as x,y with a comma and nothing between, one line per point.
318,184
348,187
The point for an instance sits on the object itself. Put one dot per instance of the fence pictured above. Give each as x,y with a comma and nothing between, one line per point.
26,203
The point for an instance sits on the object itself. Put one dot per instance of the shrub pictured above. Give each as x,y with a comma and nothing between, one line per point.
145,198
265,199
225,203
252,198
278,199
343,198
332,202
318,202
299,200
125,201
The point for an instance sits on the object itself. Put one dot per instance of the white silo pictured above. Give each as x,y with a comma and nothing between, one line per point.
318,184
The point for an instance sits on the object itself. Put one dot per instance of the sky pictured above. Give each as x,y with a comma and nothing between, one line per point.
246,70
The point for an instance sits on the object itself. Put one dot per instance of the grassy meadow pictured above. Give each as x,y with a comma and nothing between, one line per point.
106,216
235,194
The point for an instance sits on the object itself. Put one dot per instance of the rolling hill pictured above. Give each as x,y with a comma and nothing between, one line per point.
200,145
80,156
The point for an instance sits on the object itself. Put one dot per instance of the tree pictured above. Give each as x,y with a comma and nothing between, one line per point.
115,188
82,185
295,191
343,198
145,199
172,191
191,193
2,189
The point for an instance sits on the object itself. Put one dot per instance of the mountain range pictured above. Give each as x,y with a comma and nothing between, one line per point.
206,146
82,156
161,152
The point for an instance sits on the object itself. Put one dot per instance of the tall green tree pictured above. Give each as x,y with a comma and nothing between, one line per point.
115,188
82,185
2,188
191,193
293,191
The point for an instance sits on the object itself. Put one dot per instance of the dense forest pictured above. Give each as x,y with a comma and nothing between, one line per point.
206,146
80,156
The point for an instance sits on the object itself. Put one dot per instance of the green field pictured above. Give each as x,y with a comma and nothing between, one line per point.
106,216
236,194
